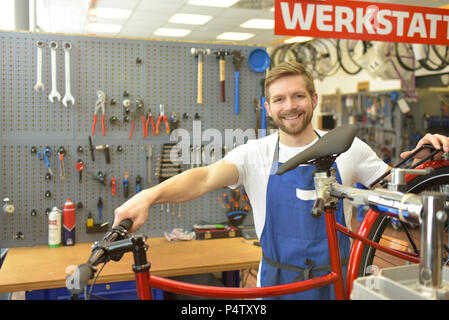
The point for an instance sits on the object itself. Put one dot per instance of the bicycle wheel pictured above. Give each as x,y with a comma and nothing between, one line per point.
407,237
348,52
442,52
406,57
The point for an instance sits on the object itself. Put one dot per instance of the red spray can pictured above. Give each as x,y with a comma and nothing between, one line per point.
69,223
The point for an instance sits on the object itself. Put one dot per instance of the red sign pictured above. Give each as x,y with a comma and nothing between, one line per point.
361,20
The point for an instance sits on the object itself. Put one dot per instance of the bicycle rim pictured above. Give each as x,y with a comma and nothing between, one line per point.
383,231
406,57
442,52
347,52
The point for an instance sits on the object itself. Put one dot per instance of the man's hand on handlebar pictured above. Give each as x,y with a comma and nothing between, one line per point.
135,209
438,141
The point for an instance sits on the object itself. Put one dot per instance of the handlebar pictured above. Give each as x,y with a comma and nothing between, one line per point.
77,281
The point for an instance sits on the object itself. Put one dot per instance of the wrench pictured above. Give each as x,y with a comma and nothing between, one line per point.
68,95
54,90
39,84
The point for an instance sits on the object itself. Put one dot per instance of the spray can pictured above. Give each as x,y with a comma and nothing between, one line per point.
54,228
69,223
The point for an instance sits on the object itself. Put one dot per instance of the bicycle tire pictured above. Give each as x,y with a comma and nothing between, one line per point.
342,60
430,65
444,58
439,177
416,65
324,66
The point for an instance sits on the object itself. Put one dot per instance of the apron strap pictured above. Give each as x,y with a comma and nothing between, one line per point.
304,273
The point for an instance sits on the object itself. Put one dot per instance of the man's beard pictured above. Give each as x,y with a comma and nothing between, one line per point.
297,130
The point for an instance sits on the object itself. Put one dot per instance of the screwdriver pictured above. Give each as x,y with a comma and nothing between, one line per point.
221,202
126,184
100,208
226,201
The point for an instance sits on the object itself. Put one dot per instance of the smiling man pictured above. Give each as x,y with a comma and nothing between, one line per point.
294,243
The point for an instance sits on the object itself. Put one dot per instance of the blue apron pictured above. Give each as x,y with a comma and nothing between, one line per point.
294,243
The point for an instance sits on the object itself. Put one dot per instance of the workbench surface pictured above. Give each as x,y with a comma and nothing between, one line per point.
41,267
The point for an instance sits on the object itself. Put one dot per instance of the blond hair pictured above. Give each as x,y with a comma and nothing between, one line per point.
289,68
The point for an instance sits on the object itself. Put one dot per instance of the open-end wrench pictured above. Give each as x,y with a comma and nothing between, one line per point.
54,90
68,95
39,86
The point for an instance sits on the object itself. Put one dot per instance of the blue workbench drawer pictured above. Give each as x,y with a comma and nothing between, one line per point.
125,290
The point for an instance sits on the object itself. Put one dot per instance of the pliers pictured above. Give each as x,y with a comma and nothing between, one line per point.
163,117
149,117
139,110
99,105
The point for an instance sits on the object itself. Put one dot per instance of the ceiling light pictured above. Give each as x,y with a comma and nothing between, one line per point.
258,24
7,19
111,13
235,36
103,28
213,3
171,32
189,18
298,39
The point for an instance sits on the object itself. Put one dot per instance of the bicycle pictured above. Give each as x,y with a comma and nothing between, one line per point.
427,210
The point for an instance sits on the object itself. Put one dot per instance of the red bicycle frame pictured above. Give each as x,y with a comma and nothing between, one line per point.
144,282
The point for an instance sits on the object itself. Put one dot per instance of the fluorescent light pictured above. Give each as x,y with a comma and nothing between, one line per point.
235,36
258,24
103,28
172,32
7,15
213,3
189,18
298,39
111,13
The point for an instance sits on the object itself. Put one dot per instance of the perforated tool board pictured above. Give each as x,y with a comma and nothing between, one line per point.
160,72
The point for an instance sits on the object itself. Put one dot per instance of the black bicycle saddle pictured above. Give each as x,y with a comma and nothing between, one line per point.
334,142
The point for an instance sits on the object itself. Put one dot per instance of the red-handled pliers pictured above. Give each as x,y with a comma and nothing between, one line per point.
99,105
149,117
139,110
164,117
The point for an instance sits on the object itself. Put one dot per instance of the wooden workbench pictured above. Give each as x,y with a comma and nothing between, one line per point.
41,267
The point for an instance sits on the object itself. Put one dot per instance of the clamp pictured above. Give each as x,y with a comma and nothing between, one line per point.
163,117
99,105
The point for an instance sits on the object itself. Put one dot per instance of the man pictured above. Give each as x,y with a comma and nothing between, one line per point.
294,243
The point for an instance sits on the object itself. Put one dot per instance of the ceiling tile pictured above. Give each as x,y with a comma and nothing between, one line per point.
159,6
211,11
120,4
149,16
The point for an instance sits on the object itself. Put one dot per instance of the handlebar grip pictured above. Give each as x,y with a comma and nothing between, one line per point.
77,281
127,224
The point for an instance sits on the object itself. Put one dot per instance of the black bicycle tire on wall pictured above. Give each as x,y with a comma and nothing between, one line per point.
419,184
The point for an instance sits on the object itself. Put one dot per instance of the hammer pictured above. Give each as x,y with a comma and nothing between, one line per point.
221,59
199,53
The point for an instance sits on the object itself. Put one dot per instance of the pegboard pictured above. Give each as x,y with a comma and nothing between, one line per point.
157,72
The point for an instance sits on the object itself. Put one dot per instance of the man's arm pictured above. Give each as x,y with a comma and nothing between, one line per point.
438,141
188,185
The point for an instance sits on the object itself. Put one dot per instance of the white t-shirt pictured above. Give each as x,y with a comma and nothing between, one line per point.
254,159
